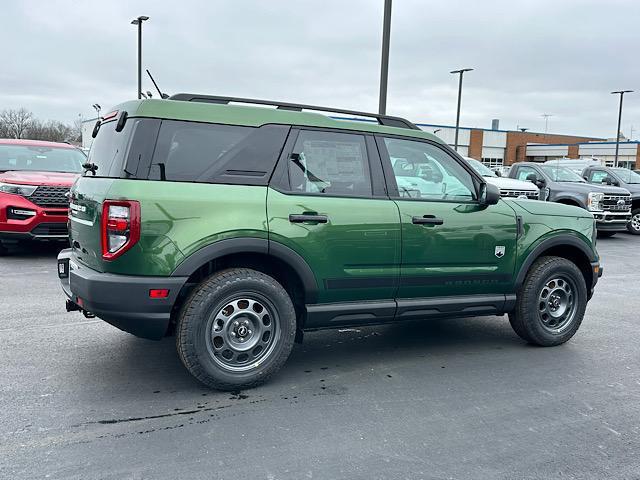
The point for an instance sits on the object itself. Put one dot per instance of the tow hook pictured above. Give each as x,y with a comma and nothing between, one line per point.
72,307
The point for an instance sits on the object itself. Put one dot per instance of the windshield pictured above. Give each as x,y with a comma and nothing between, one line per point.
41,158
561,174
627,176
480,168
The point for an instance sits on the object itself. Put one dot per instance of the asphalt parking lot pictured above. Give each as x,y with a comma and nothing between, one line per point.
440,399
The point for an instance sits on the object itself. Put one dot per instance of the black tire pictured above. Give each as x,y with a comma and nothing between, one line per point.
224,298
605,234
550,275
634,225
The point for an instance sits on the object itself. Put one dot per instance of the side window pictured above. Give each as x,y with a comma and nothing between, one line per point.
187,150
425,171
524,172
330,163
596,176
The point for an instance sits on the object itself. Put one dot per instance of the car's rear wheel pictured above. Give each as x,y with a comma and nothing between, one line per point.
551,303
236,329
634,225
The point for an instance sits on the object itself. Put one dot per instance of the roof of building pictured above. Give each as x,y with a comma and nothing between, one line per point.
633,142
34,143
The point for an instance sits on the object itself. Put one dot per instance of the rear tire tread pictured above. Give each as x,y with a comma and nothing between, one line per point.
190,316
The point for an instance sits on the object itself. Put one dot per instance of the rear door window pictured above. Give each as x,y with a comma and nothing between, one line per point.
330,163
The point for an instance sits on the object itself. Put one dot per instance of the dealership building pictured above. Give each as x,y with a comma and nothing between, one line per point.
498,148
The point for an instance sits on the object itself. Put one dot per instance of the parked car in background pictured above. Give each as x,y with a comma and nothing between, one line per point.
622,177
509,187
610,205
240,227
576,165
35,177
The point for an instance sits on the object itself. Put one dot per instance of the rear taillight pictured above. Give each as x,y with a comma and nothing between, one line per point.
120,227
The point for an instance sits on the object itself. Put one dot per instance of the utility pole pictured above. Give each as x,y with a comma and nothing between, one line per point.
460,72
621,93
384,67
138,21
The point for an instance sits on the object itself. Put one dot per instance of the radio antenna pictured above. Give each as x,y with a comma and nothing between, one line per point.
162,95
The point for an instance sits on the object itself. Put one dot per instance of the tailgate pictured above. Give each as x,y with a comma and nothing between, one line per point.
85,211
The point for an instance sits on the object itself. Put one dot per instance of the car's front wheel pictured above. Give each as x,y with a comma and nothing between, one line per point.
634,225
551,302
236,329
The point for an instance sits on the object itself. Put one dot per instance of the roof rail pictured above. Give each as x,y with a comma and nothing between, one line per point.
386,120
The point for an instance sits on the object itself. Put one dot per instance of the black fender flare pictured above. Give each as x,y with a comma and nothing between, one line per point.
263,246
575,200
556,240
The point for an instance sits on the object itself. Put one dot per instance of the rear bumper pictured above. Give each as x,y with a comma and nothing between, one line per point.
121,300
34,222
612,221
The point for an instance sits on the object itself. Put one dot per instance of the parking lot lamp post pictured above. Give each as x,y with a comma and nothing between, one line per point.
621,93
384,64
138,21
460,72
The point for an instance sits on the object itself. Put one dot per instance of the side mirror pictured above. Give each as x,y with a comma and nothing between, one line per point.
490,194
532,177
498,173
609,180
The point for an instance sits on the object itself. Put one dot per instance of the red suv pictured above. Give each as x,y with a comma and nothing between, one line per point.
35,177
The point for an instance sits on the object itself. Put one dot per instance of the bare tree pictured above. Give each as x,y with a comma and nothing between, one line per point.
15,123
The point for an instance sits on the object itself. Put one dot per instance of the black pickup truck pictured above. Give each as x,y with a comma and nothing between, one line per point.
609,204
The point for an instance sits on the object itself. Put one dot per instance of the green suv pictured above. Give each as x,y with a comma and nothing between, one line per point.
238,227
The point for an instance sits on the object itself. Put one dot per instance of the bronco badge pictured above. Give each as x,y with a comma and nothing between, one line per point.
499,251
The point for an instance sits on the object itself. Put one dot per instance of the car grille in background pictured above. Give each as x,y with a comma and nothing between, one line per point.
611,203
47,196
48,229
530,194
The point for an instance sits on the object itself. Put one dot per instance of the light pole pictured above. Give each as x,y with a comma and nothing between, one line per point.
138,21
461,72
621,93
384,64
546,121
97,108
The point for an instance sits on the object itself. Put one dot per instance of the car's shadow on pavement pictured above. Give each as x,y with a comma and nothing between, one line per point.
127,364
34,249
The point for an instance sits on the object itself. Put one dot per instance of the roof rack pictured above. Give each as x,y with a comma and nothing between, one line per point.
386,120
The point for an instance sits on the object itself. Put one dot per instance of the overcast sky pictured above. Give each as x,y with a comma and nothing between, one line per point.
561,57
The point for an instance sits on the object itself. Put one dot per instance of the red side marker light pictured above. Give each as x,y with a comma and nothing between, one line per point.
159,293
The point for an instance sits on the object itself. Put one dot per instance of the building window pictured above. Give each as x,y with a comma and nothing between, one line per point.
493,162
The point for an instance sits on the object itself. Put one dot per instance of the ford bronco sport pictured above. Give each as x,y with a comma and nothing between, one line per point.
237,228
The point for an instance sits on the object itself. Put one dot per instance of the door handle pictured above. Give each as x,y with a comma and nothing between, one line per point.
427,220
308,217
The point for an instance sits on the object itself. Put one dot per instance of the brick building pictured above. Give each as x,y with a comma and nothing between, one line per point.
504,147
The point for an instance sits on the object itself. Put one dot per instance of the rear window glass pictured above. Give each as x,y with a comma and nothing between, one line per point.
41,158
187,151
108,149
